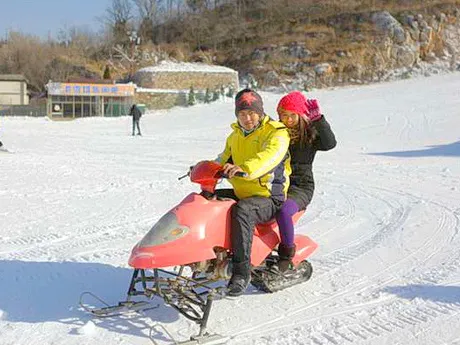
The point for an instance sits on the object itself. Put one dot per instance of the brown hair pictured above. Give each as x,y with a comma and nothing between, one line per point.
303,133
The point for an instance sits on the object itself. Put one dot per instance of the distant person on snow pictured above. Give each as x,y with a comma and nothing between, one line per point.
136,113
309,132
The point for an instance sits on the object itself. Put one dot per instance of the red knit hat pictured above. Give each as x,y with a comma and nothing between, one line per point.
296,102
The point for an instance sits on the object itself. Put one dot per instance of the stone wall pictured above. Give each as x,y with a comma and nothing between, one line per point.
163,100
185,80
168,84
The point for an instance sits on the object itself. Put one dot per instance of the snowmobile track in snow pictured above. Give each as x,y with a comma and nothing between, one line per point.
36,247
410,317
365,243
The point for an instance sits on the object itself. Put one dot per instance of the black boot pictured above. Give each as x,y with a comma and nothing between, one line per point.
285,255
240,279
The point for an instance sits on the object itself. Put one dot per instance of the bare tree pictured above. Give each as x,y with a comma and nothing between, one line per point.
146,8
173,8
119,15
197,6
147,13
28,56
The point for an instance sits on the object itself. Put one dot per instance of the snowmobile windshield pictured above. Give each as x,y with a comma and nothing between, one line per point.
167,229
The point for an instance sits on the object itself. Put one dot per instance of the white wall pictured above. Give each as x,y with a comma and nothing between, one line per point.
10,93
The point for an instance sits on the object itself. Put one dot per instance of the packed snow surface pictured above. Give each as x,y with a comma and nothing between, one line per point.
75,196
169,66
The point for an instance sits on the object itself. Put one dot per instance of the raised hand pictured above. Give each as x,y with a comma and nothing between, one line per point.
313,110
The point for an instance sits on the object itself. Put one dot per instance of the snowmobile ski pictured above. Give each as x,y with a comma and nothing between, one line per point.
205,339
122,308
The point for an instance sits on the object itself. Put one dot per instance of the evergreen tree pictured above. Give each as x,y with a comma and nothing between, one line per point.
191,97
231,91
107,74
207,96
253,84
215,95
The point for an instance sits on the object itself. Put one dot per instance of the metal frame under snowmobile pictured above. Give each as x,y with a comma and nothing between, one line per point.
193,296
181,293
190,296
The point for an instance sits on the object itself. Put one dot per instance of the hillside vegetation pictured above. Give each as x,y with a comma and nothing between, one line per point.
313,42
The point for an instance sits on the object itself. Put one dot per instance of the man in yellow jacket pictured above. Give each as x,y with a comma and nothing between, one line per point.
258,146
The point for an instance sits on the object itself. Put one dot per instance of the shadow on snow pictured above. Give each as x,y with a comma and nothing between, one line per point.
448,150
38,292
434,293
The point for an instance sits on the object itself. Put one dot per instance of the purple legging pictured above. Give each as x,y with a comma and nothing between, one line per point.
284,219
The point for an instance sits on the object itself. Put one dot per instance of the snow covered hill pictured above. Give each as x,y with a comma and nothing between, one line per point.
76,196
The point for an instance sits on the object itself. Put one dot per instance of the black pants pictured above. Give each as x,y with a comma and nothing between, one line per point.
136,123
246,214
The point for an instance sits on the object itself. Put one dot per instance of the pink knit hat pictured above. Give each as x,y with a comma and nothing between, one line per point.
296,102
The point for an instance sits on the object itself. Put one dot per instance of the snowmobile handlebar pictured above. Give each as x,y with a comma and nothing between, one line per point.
237,174
187,174
218,175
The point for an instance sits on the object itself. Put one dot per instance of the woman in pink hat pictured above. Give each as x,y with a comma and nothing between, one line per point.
309,132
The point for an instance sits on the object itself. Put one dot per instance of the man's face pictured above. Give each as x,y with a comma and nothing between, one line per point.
248,119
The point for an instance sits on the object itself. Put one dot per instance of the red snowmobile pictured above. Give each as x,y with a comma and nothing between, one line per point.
188,251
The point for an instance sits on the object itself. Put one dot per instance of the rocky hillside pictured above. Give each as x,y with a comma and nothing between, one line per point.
273,43
356,48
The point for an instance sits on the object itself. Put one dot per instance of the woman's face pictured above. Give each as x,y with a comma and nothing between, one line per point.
248,119
289,118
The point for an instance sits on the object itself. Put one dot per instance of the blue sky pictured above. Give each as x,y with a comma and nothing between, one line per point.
43,17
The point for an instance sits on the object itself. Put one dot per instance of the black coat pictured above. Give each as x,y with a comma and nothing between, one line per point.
135,113
302,184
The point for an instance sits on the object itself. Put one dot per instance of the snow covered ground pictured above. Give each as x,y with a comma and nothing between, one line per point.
76,196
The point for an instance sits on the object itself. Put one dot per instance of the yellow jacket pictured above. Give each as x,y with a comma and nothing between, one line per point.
263,155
